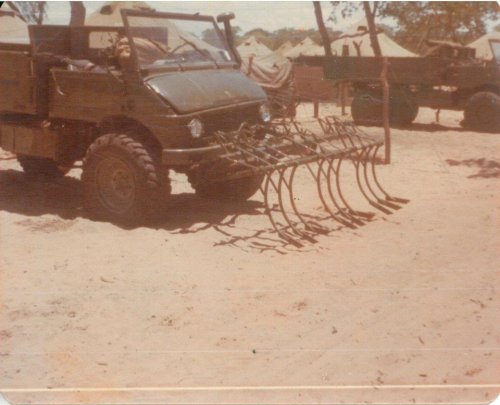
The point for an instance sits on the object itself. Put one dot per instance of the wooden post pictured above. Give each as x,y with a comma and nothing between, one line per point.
385,110
342,97
316,108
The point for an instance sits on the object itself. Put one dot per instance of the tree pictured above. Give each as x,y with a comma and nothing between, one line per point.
210,36
33,12
372,29
77,13
420,20
322,29
457,21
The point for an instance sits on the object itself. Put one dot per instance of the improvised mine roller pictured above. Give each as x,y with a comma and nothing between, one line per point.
159,94
286,146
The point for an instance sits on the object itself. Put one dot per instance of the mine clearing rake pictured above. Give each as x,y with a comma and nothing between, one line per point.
287,146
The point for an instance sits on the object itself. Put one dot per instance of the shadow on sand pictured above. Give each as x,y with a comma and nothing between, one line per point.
487,168
185,213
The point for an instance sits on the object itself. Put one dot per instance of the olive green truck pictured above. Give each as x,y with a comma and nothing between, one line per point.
132,103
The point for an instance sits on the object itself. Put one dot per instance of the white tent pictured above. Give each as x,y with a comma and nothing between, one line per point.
483,45
12,29
356,39
109,14
307,47
284,48
252,47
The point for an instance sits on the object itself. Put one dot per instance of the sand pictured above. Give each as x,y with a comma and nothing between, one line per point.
206,307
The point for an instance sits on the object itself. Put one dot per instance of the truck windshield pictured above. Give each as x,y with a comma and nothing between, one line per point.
162,41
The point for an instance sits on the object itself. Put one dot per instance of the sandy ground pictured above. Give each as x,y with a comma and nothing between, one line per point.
205,308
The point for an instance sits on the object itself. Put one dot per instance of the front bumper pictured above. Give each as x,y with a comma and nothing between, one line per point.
190,156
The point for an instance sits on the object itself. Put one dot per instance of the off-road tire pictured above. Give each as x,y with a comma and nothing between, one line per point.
43,168
403,108
482,112
239,189
367,108
144,188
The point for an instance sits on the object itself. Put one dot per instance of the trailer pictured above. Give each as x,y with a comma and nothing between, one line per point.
449,77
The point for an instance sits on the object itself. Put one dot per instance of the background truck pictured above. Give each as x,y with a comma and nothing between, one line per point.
132,102
449,77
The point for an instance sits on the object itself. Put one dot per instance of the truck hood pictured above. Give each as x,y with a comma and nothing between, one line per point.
193,91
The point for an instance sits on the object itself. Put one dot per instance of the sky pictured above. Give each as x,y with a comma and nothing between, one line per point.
269,15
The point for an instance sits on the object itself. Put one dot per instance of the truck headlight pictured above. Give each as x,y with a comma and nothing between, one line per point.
265,113
195,127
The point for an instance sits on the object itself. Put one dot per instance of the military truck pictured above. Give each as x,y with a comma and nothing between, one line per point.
447,77
132,103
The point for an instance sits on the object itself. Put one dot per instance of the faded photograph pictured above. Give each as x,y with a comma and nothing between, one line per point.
285,202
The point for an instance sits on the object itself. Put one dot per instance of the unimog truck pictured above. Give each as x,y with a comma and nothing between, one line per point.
132,103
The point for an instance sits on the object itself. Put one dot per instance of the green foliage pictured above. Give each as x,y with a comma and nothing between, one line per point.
456,21
459,21
210,36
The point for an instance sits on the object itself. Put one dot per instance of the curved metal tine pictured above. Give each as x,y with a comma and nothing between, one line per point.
310,225
280,229
362,214
282,181
374,174
366,162
357,163
344,218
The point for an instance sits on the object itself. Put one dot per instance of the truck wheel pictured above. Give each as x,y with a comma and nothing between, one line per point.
403,107
366,109
239,189
482,112
122,181
43,168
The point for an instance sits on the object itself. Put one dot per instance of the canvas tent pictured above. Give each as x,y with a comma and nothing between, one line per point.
284,48
356,41
110,15
252,47
271,71
13,30
483,45
307,47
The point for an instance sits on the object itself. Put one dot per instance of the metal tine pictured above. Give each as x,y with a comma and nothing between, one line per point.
381,200
351,212
348,212
355,156
387,200
348,220
374,175
359,160
282,231
310,225
282,180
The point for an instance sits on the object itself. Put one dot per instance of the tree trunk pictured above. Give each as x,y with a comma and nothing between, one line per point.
77,13
372,29
16,10
322,28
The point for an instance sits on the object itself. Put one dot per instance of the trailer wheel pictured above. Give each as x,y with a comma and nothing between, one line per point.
403,107
482,112
366,109
43,168
239,189
122,181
